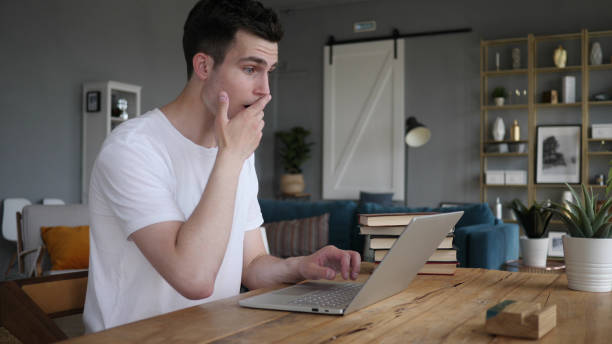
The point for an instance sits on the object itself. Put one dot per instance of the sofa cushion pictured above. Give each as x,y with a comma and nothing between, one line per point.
342,218
301,237
474,214
68,247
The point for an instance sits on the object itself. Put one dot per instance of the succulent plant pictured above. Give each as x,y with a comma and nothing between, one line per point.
583,217
534,219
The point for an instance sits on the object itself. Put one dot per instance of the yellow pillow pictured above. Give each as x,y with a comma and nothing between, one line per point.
67,246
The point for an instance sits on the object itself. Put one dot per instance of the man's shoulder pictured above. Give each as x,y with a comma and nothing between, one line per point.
143,135
144,129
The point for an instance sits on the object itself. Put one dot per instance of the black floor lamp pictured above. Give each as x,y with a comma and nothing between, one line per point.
416,136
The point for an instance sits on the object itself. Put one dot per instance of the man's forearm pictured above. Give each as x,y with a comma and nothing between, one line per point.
267,270
205,234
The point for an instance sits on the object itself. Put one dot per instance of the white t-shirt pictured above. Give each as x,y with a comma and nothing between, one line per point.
148,172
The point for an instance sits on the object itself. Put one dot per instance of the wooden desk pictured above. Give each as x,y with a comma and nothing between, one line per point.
433,309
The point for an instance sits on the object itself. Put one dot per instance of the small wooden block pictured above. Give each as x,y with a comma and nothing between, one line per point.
521,319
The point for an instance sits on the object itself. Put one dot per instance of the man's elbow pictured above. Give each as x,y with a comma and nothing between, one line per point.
197,290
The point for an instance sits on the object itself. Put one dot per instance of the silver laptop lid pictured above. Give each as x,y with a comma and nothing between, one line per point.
404,260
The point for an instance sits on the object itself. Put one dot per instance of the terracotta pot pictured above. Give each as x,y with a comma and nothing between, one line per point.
588,263
292,184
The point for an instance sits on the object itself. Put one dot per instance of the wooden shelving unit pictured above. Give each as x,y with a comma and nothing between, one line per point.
505,107
534,76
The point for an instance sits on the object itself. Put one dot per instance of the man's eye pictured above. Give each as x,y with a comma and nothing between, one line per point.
249,70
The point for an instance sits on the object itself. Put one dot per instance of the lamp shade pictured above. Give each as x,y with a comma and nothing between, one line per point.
416,133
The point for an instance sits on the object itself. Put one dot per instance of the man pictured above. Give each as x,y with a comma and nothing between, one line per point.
173,196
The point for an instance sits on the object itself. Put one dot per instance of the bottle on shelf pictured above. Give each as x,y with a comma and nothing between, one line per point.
515,132
498,209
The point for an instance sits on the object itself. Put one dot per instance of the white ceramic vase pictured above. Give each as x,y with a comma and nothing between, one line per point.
596,54
499,129
534,251
588,263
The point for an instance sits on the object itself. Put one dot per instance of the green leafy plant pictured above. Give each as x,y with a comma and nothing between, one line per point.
609,186
499,92
534,219
583,217
295,150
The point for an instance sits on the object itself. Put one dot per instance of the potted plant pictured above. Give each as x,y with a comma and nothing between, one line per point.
294,152
609,182
534,221
588,248
499,95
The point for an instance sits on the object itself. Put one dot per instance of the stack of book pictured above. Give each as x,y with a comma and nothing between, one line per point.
381,231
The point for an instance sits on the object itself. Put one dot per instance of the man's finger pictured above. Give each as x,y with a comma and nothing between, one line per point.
223,106
345,264
259,105
355,264
318,272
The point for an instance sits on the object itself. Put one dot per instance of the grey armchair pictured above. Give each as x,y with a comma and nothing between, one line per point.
35,216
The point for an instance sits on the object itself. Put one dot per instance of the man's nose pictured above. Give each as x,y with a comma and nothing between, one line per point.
263,86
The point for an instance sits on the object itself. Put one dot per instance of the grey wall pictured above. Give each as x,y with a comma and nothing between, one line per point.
442,75
49,48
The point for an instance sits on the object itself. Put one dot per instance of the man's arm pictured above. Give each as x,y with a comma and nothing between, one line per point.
262,270
189,254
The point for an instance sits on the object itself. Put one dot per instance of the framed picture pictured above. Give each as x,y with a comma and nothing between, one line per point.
555,244
558,154
93,101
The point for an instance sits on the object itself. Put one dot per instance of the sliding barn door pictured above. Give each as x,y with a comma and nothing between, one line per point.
363,125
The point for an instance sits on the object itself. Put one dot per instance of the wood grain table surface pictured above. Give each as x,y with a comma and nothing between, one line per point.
433,309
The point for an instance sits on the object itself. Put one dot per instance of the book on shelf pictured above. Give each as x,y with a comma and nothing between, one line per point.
439,256
377,243
388,219
381,230
438,268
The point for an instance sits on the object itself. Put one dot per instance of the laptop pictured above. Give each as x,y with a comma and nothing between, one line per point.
403,261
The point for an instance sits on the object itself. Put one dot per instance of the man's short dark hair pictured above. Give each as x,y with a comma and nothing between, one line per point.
212,25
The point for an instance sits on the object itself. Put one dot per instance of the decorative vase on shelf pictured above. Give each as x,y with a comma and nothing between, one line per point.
596,54
499,101
122,105
554,97
560,57
499,129
515,133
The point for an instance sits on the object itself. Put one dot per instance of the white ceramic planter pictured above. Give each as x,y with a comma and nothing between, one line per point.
534,251
588,263
499,101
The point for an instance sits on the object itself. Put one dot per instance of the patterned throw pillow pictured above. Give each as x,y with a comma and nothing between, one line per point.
297,237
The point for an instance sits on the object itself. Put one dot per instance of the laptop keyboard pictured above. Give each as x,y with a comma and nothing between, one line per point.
333,297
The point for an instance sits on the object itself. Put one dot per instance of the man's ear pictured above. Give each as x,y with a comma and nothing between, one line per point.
202,65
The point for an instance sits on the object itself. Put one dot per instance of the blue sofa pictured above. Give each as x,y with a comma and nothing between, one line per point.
481,240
